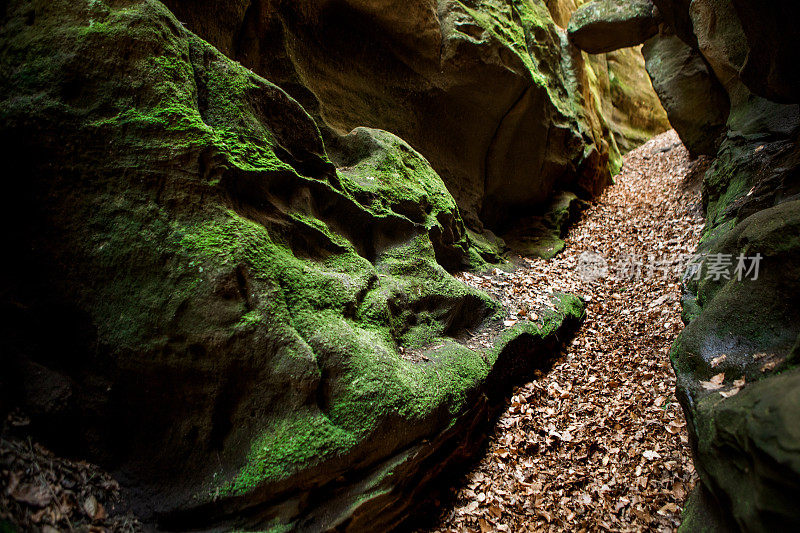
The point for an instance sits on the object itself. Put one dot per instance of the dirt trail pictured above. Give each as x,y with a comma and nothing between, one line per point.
599,442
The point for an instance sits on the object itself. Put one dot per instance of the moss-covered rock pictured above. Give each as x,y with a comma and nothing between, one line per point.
757,431
746,444
489,92
254,337
603,26
701,514
736,360
744,432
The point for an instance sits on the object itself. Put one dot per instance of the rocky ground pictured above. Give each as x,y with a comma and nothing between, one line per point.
599,442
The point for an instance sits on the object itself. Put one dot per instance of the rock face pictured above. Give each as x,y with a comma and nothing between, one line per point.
757,429
766,30
725,71
607,25
488,92
696,103
630,104
745,433
254,326
620,89
718,33
675,14
543,235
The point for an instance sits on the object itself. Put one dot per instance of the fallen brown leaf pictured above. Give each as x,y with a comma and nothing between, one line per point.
35,494
718,360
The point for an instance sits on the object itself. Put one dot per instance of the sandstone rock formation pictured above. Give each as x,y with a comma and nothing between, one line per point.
744,431
718,33
230,279
697,106
772,35
543,235
675,14
254,327
696,103
607,25
619,87
485,91
630,104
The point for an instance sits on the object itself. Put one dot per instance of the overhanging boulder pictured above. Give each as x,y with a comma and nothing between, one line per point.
606,25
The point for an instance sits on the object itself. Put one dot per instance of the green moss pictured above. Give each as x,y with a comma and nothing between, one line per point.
188,253
95,28
690,309
375,383
528,30
171,68
567,308
171,117
379,386
318,225
731,177
251,319
618,87
487,249
389,176
289,444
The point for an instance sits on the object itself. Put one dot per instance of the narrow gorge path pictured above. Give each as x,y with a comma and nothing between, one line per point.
598,442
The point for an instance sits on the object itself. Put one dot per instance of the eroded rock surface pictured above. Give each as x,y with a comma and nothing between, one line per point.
721,69
202,301
488,92
675,14
620,87
696,103
630,104
744,334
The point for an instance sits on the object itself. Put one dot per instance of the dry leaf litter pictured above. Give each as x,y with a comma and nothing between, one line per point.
599,442
45,493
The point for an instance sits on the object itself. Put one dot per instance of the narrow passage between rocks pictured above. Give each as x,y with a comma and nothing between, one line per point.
599,442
